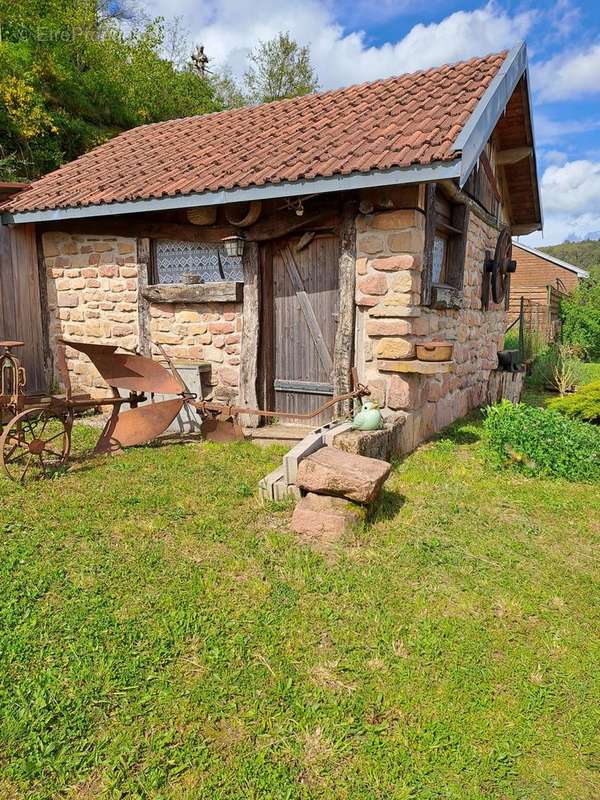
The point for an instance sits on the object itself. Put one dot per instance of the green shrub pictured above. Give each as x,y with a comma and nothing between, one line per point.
584,404
542,442
580,313
558,368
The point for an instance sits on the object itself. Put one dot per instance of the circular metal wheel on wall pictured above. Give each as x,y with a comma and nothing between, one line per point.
35,444
502,266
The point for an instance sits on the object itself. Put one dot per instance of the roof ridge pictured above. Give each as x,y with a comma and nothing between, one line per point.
326,93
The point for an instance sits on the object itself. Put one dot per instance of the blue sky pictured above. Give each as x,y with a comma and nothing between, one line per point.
361,40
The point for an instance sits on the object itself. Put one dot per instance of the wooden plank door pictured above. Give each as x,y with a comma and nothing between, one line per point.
305,308
20,305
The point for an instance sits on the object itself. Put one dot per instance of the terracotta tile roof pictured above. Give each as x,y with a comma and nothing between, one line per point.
396,122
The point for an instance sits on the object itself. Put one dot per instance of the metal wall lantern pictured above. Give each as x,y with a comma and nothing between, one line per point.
234,246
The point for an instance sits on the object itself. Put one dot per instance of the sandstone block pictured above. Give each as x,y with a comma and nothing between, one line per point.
404,281
122,330
421,326
325,519
382,310
370,244
394,263
221,327
372,284
367,299
388,327
392,347
361,266
213,354
411,240
404,392
187,316
397,220
400,299
67,300
125,247
49,244
331,471
229,376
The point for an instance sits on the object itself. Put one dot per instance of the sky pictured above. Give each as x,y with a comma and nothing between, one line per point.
351,42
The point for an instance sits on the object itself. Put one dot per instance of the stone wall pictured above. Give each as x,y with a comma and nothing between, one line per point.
93,290
390,322
202,332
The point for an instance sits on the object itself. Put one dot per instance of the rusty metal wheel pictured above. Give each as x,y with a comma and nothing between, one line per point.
35,444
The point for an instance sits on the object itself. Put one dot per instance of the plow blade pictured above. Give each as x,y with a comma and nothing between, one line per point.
217,430
128,371
138,426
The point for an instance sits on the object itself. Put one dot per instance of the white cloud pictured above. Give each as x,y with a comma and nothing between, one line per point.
229,28
571,201
568,75
549,131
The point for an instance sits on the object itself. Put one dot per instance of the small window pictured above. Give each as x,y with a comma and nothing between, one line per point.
173,259
440,250
445,249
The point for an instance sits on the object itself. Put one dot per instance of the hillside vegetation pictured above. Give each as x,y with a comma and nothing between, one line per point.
584,254
73,74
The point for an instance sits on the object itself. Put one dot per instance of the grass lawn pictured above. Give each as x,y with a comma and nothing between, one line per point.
163,636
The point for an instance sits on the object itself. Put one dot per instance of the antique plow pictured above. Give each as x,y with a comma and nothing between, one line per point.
36,433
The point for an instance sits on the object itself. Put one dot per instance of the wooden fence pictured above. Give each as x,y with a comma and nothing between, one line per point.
20,301
541,308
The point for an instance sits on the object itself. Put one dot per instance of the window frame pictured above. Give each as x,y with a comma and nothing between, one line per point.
447,219
154,267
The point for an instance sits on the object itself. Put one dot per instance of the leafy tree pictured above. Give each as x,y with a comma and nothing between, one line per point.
580,313
72,76
279,68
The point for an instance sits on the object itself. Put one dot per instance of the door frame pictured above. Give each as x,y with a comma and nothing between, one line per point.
344,348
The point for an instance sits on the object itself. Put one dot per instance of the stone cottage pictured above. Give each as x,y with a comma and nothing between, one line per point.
277,246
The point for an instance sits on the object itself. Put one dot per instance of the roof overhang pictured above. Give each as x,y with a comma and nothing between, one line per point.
336,183
482,122
468,145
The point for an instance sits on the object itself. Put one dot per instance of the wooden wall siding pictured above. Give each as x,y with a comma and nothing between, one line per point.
296,355
532,271
20,307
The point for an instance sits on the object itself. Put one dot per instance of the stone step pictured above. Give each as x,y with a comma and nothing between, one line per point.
334,472
325,519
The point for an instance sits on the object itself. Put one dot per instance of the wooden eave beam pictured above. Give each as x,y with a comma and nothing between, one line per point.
513,156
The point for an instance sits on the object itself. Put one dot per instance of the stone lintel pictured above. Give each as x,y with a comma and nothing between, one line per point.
214,292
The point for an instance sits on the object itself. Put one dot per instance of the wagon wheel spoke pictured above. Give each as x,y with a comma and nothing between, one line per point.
8,458
27,465
56,435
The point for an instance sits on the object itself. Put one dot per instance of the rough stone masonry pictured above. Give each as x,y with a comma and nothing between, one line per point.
391,322
93,293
